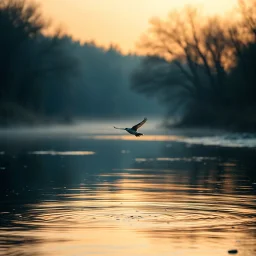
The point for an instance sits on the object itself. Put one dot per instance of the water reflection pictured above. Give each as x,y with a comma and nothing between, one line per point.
63,153
227,140
130,198
133,138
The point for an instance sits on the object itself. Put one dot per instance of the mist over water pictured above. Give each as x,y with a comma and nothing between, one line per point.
88,189
91,189
154,130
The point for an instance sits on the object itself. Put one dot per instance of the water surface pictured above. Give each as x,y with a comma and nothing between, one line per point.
108,193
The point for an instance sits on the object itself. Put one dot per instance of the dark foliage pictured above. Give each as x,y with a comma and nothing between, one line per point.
202,70
54,78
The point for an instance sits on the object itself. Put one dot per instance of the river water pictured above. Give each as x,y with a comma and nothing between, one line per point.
103,192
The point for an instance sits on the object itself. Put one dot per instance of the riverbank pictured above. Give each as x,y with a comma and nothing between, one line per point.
233,120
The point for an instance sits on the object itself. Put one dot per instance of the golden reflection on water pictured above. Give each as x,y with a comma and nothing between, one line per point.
62,153
170,201
131,137
222,141
141,213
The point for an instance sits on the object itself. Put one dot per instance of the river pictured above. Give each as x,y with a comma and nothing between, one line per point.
94,190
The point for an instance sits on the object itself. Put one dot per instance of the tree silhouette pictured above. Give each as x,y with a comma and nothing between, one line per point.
45,78
198,57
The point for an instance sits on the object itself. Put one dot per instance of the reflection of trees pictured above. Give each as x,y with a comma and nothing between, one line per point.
18,194
202,189
30,180
45,178
215,168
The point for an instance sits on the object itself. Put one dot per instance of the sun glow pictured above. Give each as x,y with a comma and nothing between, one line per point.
115,21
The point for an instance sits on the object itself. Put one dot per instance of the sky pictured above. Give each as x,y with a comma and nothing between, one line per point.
119,22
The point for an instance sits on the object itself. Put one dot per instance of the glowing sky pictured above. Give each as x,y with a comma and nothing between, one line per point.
117,21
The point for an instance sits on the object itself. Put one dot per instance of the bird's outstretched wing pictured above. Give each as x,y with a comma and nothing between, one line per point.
119,128
137,126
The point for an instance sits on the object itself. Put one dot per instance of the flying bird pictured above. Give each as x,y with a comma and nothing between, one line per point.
134,129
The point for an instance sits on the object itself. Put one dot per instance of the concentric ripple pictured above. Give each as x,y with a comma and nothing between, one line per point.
136,207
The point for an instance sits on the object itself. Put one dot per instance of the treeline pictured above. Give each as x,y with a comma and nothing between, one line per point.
202,68
54,78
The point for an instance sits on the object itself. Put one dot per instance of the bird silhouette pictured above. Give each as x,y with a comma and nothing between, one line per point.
134,129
